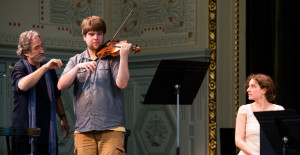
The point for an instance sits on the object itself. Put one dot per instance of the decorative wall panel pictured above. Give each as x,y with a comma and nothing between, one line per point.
58,21
157,23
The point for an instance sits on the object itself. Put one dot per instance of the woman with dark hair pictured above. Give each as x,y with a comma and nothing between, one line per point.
260,89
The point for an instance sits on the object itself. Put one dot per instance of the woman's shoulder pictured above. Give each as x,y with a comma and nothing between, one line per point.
246,105
244,108
278,107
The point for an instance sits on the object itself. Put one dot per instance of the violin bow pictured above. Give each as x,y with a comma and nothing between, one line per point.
118,30
122,24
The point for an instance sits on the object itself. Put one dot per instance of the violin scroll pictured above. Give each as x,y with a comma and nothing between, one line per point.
136,48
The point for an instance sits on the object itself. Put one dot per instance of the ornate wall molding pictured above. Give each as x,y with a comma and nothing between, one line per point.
236,57
155,129
59,21
212,119
157,23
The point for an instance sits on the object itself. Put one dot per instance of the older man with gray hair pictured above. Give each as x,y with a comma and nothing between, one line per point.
36,97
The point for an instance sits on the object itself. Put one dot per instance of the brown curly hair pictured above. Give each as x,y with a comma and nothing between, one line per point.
264,81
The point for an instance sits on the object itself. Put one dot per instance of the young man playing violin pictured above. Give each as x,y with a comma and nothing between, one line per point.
98,97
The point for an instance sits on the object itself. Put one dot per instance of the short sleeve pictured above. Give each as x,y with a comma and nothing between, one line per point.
19,71
279,107
243,109
114,65
70,65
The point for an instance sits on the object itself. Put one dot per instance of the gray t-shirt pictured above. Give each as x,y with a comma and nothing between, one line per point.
98,102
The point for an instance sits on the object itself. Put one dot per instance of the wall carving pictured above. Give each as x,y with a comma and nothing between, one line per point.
156,23
58,21
156,130
212,122
236,58
67,15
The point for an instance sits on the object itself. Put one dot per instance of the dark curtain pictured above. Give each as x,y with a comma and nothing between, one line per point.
272,41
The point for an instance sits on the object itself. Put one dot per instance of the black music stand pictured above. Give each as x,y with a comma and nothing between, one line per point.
174,78
279,132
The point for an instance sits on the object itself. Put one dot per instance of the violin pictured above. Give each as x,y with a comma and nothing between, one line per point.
113,46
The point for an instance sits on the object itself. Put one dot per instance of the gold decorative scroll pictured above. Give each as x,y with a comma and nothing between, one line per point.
212,79
236,57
